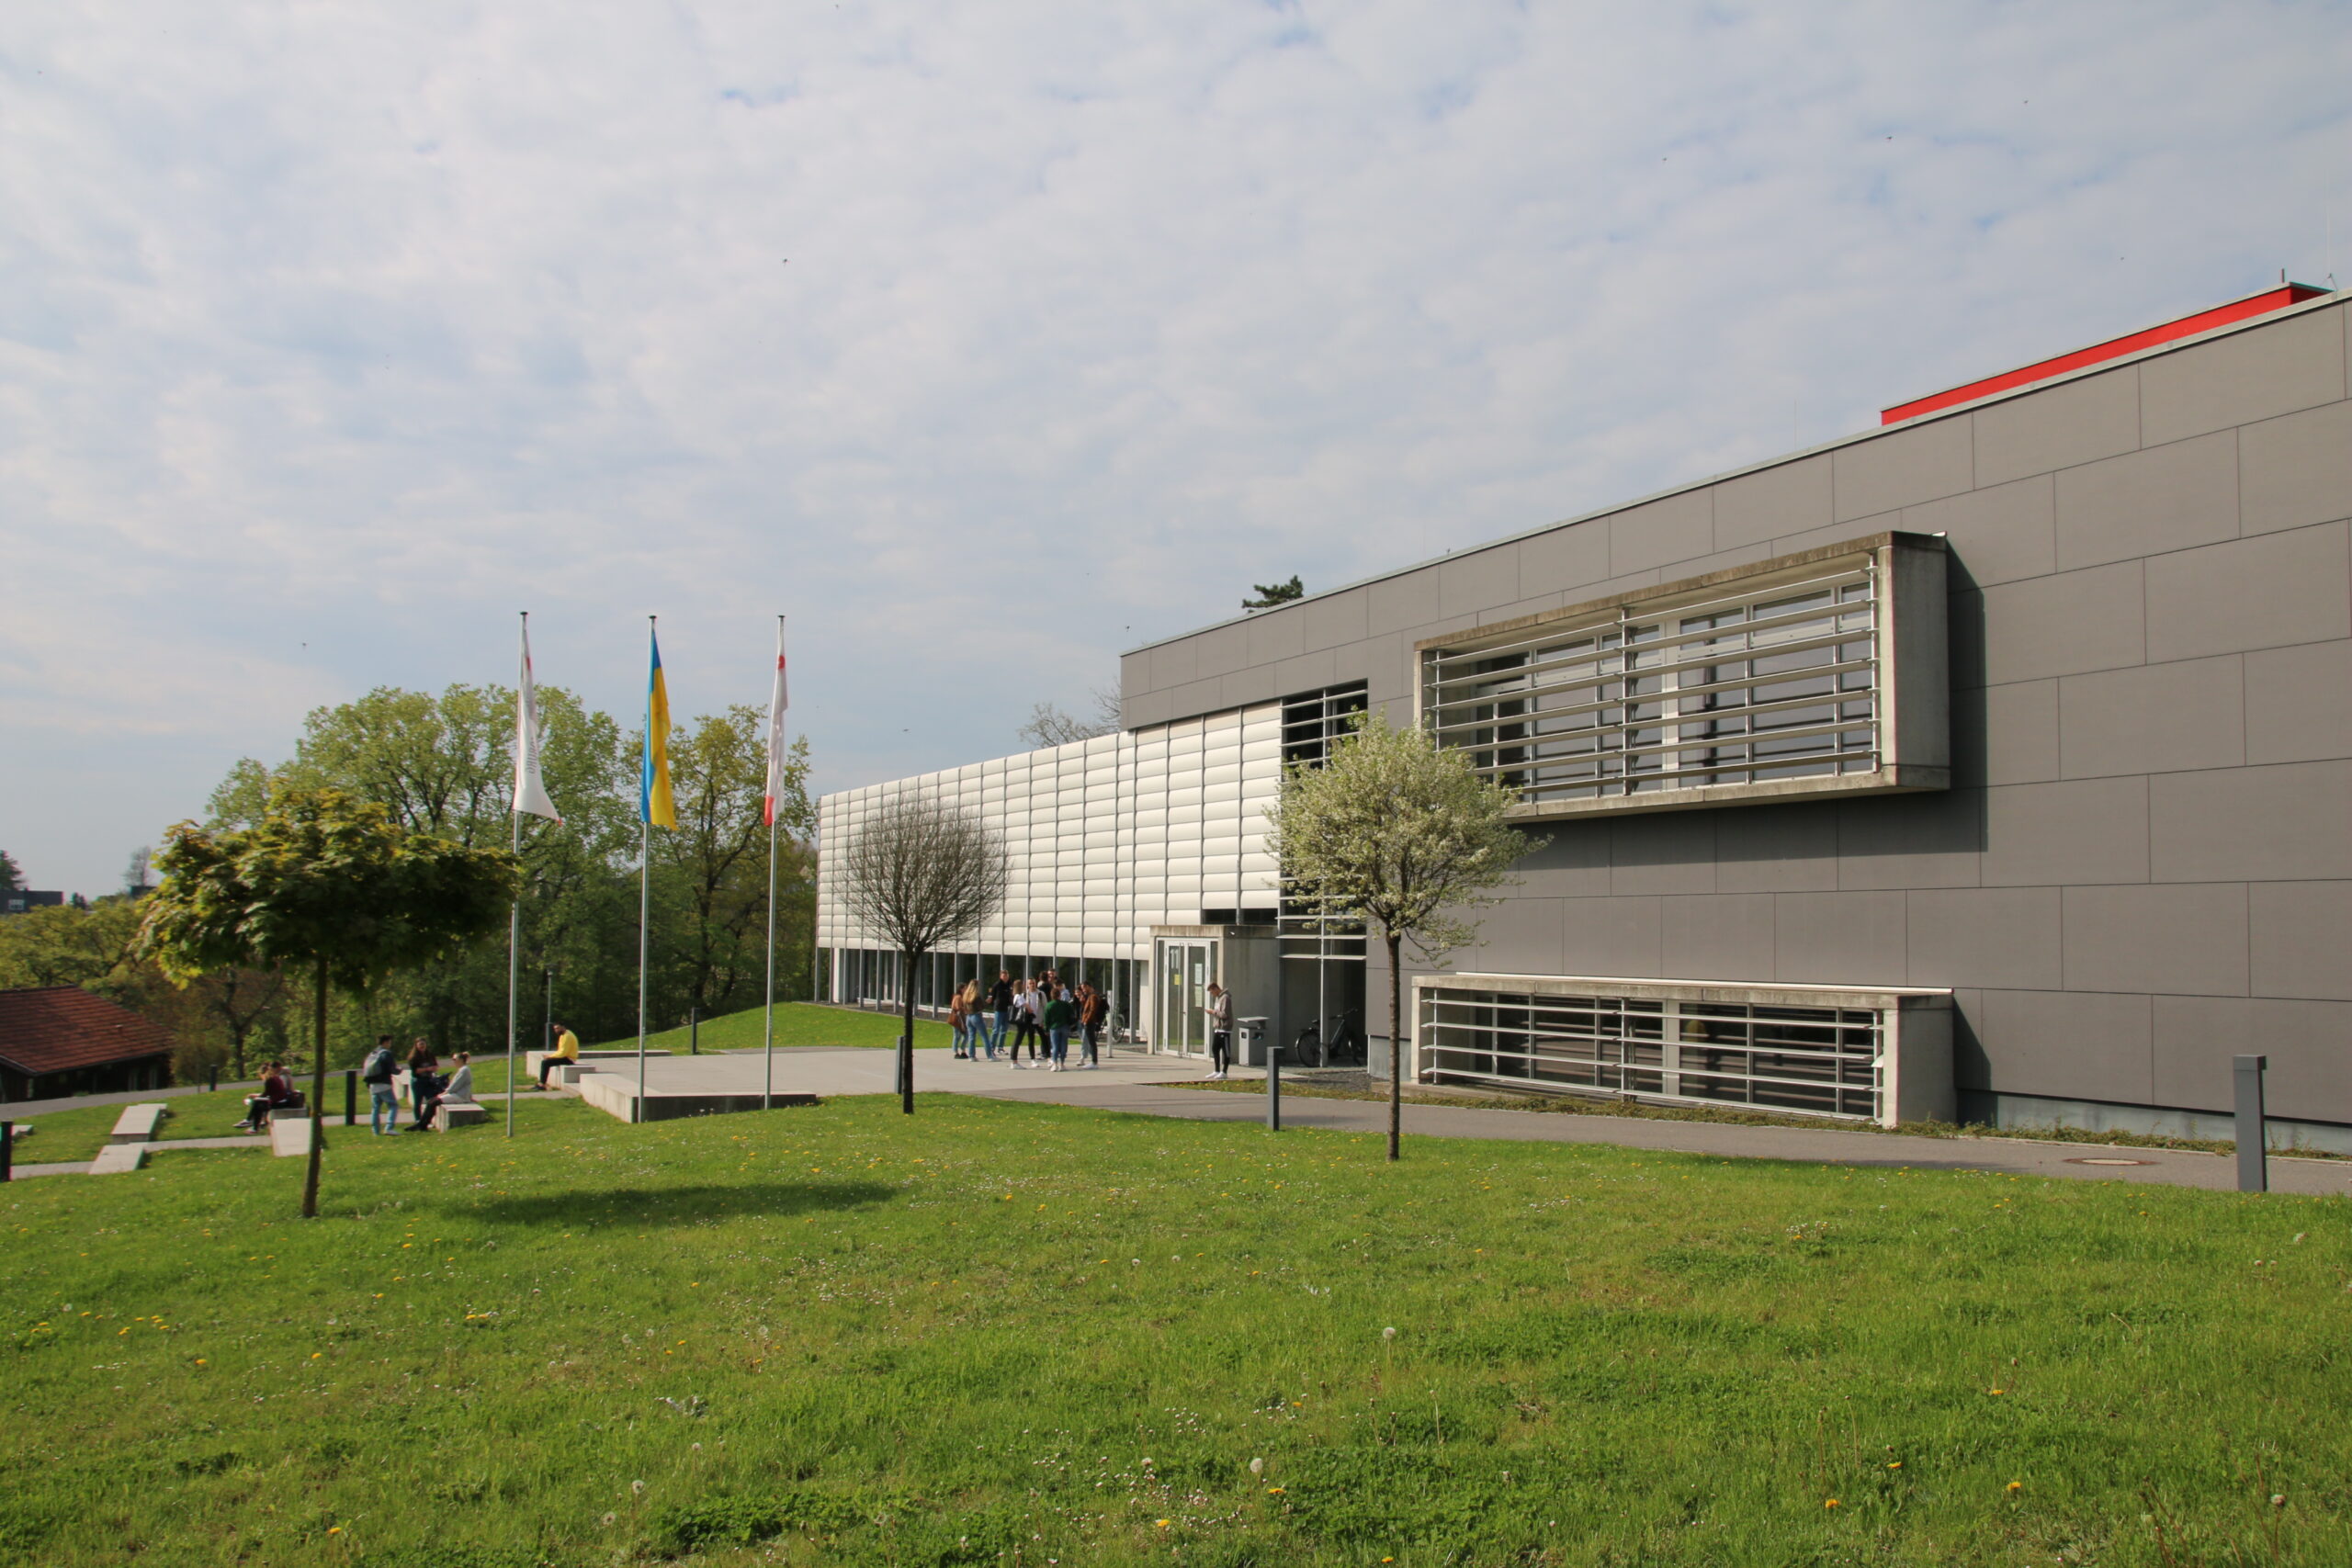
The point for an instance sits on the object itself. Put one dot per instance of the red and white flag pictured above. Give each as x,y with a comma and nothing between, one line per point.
777,705
530,789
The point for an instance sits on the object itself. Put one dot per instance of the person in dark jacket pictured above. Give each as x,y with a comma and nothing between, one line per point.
277,1094
1001,1004
424,1081
383,1105
1057,1015
1093,1009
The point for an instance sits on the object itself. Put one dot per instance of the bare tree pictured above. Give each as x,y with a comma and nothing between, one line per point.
921,872
1049,726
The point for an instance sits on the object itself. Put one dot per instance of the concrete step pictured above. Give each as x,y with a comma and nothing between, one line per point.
138,1123
116,1159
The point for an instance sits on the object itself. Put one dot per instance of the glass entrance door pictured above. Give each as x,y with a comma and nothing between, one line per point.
1180,1016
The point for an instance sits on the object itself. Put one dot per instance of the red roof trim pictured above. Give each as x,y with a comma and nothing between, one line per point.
2260,304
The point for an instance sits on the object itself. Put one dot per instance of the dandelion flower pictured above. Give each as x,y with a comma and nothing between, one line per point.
1388,1334
2278,1499
637,1488
1161,1523
1895,1464
1273,1491
1830,1501
2014,1487
334,1529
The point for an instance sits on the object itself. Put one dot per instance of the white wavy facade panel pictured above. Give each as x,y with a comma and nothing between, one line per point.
1105,838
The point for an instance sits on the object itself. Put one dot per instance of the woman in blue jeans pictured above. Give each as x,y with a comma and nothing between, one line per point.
1060,1014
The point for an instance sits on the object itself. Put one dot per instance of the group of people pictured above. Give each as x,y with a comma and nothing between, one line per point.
428,1088
1041,1013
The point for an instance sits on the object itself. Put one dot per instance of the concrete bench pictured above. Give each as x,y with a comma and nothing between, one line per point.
289,1135
459,1114
117,1159
531,1059
137,1124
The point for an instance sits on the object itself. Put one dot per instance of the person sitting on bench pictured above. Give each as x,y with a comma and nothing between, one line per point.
456,1089
277,1093
565,1054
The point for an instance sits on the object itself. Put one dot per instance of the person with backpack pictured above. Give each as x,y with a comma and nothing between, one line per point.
383,1105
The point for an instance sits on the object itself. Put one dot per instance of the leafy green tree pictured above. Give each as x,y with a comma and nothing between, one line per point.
1272,594
1401,833
94,948
12,875
327,884
717,857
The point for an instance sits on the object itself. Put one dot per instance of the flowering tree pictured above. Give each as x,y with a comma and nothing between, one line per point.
326,883
1401,833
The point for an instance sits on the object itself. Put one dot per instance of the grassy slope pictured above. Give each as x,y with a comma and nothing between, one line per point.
1058,1335
797,1023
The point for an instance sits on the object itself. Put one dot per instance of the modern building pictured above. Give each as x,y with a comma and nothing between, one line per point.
61,1040
1996,762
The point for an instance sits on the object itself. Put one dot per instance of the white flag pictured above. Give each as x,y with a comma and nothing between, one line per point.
777,705
530,790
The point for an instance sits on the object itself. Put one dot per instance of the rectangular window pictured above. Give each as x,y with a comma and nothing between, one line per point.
1846,1053
1823,671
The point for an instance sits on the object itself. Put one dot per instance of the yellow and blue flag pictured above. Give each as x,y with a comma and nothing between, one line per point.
654,803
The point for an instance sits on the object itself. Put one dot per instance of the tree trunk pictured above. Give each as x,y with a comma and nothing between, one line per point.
907,1033
1396,1050
318,1096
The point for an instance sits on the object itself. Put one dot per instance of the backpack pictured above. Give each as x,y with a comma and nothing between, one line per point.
379,1067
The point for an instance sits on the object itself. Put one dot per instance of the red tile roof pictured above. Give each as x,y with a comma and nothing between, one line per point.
57,1027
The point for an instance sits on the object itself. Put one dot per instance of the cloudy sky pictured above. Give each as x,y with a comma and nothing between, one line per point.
987,340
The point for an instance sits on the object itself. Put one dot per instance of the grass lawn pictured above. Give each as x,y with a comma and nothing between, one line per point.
78,1134
1005,1333
797,1023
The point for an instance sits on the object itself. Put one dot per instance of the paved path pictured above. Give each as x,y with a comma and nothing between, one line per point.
1139,1083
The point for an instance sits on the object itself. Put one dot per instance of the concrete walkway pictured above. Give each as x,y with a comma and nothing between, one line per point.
1139,1084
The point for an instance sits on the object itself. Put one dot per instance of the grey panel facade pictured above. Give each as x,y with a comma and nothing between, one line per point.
2144,859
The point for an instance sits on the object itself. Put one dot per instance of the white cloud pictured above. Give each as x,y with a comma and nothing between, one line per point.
361,327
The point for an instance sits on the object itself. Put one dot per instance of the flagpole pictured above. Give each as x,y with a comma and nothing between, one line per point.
515,847
644,890
767,1052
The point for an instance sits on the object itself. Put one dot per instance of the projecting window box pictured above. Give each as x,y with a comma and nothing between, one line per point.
1820,672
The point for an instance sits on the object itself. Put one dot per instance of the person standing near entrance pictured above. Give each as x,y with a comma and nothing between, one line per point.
1220,1030
1001,1004
1093,1006
1060,1014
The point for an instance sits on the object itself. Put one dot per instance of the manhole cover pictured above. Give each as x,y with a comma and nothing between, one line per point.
2083,1159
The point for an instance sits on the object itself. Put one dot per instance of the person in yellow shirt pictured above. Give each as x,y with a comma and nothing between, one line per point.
566,1052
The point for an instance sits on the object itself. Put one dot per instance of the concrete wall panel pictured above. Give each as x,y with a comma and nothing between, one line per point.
2155,718
1788,498
1565,560
2298,703
2001,937
2189,939
2288,823
1994,536
1903,469
1472,581
2020,733
2296,471
1336,619
2309,1075
1399,604
1842,939
2076,422
2065,624
2169,498
1717,936
2093,831
1679,528
2299,933
1611,936
1931,840
1276,635
1573,863
2248,376
2069,1044
1777,849
2267,592
1525,941
1671,852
